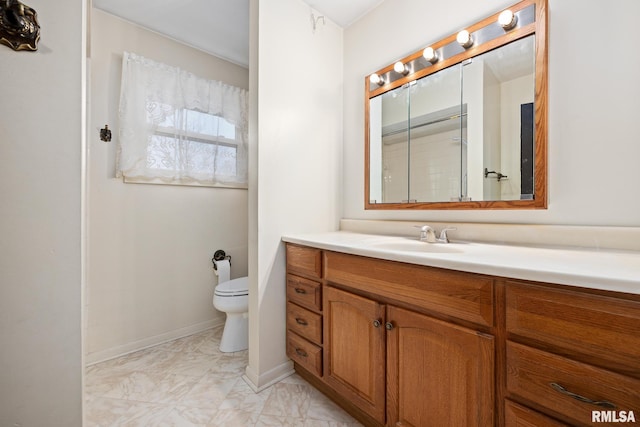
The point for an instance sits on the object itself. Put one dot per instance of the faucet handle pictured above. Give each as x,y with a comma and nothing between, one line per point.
427,233
443,234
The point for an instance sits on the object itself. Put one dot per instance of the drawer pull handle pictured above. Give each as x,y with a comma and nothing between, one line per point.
301,352
300,321
602,403
300,291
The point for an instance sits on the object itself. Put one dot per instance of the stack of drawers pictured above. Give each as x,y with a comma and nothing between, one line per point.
304,307
570,355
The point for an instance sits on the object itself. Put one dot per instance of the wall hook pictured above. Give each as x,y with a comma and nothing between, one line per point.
105,134
315,20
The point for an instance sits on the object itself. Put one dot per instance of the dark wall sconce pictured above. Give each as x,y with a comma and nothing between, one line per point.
105,134
19,28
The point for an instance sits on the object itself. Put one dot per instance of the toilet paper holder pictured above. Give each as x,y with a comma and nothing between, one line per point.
219,255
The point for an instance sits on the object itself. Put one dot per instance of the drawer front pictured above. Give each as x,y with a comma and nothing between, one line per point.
537,376
306,354
520,416
304,322
461,295
605,330
304,292
304,260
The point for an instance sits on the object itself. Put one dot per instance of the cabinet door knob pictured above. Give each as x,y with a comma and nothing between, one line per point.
377,323
389,326
602,403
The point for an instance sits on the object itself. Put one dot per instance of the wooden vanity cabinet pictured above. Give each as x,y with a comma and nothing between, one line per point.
420,357
401,366
415,346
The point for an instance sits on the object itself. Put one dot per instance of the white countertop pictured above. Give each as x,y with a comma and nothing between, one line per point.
589,268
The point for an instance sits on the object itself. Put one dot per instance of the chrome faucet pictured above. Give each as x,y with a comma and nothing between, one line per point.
428,234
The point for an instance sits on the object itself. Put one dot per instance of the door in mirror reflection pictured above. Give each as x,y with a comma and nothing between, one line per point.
498,89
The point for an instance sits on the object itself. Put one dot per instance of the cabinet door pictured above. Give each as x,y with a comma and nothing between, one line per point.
438,374
354,338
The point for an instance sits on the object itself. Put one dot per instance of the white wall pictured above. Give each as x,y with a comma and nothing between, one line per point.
593,104
150,276
41,150
298,146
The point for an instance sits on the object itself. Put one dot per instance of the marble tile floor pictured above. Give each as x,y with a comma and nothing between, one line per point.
189,382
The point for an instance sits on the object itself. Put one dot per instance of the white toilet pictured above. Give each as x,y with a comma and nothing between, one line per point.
232,297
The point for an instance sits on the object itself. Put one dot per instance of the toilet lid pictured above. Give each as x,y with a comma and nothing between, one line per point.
235,287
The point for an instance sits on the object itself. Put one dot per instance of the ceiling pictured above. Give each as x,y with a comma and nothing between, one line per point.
219,27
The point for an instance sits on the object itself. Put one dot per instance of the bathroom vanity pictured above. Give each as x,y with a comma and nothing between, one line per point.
405,333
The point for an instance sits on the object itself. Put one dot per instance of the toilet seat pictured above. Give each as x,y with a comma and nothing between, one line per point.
233,288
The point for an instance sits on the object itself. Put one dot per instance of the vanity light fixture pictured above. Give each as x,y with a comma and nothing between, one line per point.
507,20
401,68
376,79
465,39
430,55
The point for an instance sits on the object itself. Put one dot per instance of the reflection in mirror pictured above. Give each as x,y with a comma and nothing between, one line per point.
466,126
438,124
498,89
415,140
428,146
389,155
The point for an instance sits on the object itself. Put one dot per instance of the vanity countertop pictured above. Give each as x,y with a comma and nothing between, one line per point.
611,270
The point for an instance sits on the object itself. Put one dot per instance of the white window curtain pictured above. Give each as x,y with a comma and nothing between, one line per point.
177,128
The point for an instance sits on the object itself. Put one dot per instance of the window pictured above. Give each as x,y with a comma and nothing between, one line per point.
177,128
203,141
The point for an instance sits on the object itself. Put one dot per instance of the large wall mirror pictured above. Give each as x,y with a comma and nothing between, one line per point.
462,123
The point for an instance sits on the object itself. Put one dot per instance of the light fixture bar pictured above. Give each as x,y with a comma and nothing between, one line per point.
507,20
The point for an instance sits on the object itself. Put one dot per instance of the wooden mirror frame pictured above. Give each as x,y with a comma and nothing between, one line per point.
539,28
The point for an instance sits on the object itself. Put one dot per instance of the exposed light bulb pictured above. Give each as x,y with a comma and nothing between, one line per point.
376,79
430,55
400,68
507,20
465,39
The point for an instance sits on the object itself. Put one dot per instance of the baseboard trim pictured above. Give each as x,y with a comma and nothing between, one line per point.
121,350
259,382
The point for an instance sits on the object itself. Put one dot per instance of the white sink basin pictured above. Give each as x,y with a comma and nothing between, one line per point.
417,246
